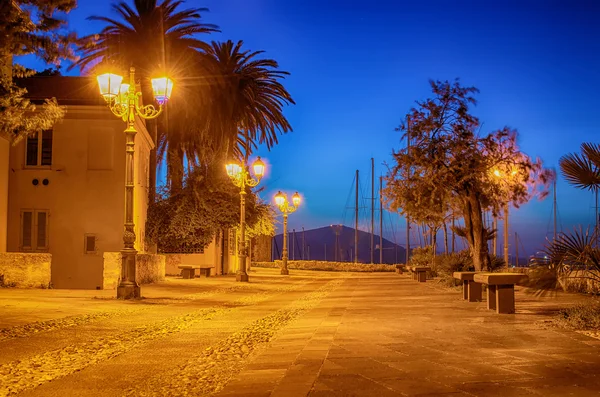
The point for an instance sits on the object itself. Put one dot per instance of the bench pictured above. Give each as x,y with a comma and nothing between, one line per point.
189,271
399,268
419,273
501,290
471,289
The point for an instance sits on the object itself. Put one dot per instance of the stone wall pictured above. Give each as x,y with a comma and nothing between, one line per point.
150,268
24,270
172,261
329,266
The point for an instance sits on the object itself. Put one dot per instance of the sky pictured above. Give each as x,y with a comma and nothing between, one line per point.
358,67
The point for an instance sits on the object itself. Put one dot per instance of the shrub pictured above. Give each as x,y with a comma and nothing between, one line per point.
580,317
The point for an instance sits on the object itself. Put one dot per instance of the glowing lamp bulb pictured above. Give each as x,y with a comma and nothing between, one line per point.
233,169
279,199
259,168
296,199
109,84
162,88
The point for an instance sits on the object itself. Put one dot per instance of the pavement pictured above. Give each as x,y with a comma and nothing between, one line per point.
309,334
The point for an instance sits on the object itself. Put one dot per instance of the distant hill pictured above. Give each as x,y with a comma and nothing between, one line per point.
320,245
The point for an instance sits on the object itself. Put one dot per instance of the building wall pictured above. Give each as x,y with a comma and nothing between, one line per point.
150,268
4,152
211,255
85,194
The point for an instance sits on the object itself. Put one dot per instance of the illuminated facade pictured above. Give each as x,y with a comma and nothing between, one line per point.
65,186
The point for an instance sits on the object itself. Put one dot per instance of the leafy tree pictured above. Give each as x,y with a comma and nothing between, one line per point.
30,27
450,164
152,38
207,203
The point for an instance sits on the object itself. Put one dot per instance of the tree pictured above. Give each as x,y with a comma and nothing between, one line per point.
30,27
239,107
449,164
152,38
208,202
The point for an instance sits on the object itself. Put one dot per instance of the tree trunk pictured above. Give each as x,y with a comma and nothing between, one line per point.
175,169
445,238
475,232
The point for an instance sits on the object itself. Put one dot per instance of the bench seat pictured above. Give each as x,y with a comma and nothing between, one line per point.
501,290
189,271
471,289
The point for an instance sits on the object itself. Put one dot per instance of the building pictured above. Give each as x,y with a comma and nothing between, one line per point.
66,185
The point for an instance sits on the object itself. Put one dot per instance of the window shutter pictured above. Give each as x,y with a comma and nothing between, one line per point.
46,148
42,230
32,150
26,229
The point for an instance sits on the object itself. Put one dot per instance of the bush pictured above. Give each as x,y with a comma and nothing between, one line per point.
581,317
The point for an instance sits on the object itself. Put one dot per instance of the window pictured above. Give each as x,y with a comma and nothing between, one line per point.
39,149
34,230
89,243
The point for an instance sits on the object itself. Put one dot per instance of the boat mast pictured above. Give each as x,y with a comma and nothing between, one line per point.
356,222
554,207
407,255
372,210
380,219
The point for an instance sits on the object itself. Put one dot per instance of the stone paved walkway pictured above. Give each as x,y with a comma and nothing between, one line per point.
314,333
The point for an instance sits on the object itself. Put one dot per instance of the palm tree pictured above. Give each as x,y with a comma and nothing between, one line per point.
250,107
150,37
583,170
239,104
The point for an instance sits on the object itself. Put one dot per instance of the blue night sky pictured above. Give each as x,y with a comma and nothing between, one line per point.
357,68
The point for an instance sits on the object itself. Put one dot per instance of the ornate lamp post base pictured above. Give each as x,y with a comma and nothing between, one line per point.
128,292
285,272
128,288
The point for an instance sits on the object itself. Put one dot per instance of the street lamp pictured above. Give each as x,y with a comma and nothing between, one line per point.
240,176
499,174
124,102
285,208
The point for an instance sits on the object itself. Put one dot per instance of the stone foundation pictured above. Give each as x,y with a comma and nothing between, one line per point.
150,268
25,270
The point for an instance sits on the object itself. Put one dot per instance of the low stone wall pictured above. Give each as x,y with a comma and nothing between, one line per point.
172,261
329,266
150,268
23,270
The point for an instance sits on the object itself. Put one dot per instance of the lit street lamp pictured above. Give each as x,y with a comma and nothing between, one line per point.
124,102
241,178
285,208
499,174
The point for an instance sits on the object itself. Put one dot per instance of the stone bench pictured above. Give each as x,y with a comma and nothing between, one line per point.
501,290
419,273
400,269
471,289
189,271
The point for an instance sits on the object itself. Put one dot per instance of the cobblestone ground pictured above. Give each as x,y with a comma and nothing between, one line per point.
313,333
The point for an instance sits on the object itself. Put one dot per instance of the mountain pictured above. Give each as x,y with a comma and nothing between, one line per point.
320,245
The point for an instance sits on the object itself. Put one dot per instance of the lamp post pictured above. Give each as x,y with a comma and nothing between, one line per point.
124,102
286,209
240,176
499,174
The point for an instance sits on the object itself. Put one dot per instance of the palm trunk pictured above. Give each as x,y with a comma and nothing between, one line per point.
445,238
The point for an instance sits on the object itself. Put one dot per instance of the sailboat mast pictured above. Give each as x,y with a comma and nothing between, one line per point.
407,254
516,250
356,222
372,210
554,205
380,219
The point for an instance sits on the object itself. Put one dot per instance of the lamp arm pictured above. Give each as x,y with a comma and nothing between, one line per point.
147,111
119,109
